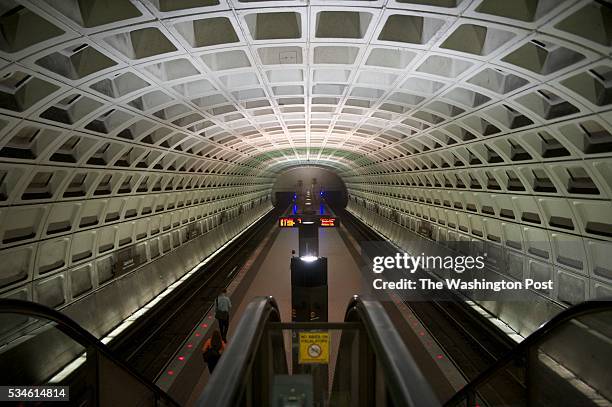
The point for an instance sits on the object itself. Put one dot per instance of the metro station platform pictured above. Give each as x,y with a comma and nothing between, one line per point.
442,168
272,277
409,350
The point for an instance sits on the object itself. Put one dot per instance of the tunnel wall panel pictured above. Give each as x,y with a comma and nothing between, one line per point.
107,295
110,304
571,285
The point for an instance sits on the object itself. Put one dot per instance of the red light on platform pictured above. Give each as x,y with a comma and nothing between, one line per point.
210,317
190,345
181,358
170,372
439,356
204,325
422,333
197,334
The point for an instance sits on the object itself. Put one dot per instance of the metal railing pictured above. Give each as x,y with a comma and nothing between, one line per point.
374,367
371,355
526,361
404,380
103,380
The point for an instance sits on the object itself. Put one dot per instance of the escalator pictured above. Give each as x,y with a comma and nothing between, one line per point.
372,365
93,375
564,363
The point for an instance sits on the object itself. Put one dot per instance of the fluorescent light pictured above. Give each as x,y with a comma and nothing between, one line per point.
309,259
515,336
307,222
72,366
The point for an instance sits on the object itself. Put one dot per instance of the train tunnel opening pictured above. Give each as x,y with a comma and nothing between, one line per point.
322,181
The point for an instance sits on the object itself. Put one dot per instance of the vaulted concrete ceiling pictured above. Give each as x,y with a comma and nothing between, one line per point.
268,82
130,98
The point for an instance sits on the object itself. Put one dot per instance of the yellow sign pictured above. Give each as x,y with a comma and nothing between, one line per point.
314,347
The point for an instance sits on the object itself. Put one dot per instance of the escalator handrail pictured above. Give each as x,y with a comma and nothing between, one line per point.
226,383
79,334
539,335
405,381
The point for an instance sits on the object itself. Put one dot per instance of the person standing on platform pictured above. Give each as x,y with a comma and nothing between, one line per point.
223,305
212,350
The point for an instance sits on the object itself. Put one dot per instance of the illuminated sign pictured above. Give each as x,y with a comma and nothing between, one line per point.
289,222
328,222
293,222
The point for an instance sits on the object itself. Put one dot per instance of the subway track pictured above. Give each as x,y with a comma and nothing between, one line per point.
470,341
149,345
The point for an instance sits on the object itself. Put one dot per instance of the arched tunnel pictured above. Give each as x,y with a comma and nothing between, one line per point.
130,130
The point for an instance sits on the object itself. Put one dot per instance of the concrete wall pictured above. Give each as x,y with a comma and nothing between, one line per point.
327,179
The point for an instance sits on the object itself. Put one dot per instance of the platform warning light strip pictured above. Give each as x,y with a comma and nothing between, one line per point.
72,366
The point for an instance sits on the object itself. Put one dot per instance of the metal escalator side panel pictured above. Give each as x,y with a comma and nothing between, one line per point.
551,353
101,367
403,378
